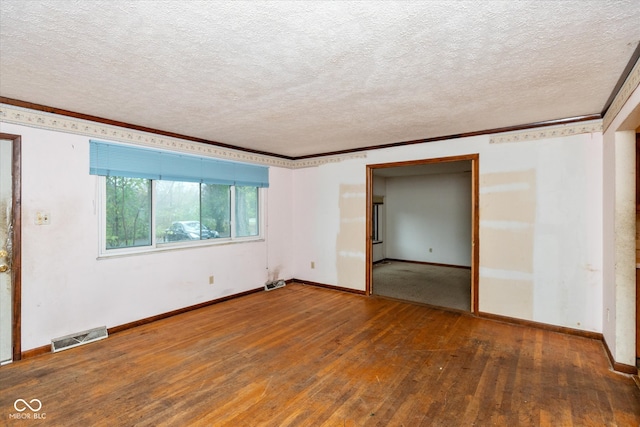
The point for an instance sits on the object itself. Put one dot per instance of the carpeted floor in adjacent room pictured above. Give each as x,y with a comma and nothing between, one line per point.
424,283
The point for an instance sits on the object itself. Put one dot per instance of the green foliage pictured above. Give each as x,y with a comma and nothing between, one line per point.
215,203
128,220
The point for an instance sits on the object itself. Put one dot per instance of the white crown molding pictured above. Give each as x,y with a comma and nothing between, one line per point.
55,122
548,132
630,84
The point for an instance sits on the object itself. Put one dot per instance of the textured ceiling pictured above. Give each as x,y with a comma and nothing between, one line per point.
308,77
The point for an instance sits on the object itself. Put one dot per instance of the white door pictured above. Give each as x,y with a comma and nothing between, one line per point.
6,352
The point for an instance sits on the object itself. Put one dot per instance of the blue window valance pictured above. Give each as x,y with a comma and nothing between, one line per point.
108,159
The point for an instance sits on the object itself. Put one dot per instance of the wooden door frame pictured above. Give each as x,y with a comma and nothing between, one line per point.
16,250
475,246
637,270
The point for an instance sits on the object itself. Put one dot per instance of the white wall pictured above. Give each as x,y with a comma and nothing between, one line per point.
540,224
429,218
619,298
329,223
66,289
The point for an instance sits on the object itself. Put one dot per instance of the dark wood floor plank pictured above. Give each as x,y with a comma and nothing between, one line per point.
307,356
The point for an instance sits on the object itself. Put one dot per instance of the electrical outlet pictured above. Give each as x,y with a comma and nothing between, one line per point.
42,218
430,249
211,280
313,264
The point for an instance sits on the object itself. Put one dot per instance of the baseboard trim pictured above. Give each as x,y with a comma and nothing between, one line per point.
437,264
619,367
335,288
38,351
539,325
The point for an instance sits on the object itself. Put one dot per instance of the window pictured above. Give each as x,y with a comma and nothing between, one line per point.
246,211
128,212
153,199
375,227
191,211
376,219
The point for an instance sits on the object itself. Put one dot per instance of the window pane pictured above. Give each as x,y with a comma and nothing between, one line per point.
177,211
246,211
216,208
374,223
128,212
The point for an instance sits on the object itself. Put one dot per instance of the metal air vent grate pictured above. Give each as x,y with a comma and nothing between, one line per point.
79,338
269,286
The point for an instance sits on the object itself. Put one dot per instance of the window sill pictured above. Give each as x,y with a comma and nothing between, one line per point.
171,247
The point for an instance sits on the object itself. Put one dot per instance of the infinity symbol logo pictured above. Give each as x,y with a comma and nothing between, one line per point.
24,405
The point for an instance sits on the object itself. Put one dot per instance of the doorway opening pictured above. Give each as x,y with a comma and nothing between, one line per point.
422,231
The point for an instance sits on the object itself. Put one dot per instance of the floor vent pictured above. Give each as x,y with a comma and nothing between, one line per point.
269,286
80,338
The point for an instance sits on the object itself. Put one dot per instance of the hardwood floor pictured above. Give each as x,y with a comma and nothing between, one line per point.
307,356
